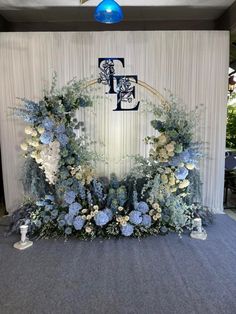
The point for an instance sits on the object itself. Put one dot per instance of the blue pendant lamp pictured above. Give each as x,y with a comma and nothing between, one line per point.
109,12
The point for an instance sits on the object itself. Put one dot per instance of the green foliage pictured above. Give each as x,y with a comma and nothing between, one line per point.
177,123
34,180
231,127
194,190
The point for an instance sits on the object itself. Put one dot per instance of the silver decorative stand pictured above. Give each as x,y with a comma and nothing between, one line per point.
24,243
199,233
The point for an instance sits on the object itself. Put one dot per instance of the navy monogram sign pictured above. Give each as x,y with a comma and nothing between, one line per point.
120,85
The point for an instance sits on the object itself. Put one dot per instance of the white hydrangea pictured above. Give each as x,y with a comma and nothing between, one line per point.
49,159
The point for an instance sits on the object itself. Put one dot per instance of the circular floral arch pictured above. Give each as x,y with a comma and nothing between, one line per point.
161,193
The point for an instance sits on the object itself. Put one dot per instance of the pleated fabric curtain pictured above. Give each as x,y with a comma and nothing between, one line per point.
192,65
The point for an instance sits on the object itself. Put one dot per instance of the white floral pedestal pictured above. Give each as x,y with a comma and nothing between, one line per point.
24,243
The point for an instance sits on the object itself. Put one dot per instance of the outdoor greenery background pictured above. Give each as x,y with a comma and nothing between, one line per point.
231,122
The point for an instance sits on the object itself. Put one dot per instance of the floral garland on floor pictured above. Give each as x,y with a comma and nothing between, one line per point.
160,194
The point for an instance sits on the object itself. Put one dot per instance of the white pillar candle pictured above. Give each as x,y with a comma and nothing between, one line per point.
23,232
198,224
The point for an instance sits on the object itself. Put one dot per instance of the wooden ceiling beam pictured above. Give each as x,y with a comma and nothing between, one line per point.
4,25
227,21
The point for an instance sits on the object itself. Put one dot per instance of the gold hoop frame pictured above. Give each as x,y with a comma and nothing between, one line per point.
149,88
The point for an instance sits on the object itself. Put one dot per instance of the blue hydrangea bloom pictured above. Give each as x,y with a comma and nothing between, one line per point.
68,230
163,230
81,191
69,219
121,195
78,223
135,197
109,213
61,223
27,221
69,197
54,213
98,189
175,161
157,124
40,203
136,205
46,219
142,207
74,208
29,119
48,207
60,128
147,221
63,139
127,230
49,197
181,173
89,198
48,124
194,155
135,217
185,156
31,106
101,218
83,101
46,138
38,223
114,182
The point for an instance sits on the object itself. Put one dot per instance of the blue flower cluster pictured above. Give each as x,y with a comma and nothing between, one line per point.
138,216
101,218
48,124
121,195
46,138
74,208
78,223
189,155
60,129
50,130
181,173
63,139
30,114
135,217
98,190
69,197
69,218
89,198
142,207
147,221
81,191
127,230
109,213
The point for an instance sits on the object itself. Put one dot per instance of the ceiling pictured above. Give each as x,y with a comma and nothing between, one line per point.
23,11
53,3
71,15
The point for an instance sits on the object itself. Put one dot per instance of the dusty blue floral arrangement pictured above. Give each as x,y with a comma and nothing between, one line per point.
160,194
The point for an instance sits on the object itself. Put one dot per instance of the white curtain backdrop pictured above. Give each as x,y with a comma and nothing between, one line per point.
193,65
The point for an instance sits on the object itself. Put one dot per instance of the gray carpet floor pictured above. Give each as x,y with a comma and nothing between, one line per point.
157,275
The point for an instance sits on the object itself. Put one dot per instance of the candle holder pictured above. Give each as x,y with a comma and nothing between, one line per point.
24,243
198,232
